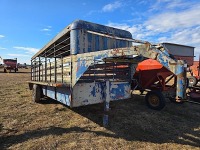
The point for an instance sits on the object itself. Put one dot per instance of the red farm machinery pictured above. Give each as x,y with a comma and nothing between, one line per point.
194,71
153,77
193,81
10,64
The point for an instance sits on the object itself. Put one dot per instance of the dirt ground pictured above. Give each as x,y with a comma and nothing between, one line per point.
51,125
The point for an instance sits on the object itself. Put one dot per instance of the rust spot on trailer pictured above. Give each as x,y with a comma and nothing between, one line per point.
117,51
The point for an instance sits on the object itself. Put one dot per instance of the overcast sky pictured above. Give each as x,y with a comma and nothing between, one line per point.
27,25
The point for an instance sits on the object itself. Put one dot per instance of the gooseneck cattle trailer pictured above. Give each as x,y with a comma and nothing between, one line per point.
88,63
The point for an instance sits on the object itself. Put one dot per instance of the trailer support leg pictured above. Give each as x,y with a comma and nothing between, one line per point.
181,83
105,115
106,104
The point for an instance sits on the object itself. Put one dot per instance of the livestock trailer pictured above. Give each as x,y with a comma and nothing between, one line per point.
52,67
88,63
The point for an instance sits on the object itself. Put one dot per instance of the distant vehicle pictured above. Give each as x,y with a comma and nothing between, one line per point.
10,64
22,65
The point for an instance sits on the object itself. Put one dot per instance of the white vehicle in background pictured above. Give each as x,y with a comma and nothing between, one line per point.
1,61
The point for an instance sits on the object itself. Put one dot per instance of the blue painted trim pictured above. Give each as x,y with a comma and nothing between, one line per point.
80,24
74,42
62,95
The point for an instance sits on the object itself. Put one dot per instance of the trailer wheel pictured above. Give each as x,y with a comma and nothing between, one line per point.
192,81
37,93
4,70
155,100
15,69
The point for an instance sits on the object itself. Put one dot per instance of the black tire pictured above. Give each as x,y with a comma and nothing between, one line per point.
37,93
4,70
155,100
192,81
15,69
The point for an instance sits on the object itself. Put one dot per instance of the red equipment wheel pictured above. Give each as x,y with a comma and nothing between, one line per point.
155,100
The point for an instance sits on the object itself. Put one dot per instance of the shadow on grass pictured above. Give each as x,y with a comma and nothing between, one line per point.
133,121
8,141
1,127
130,120
46,100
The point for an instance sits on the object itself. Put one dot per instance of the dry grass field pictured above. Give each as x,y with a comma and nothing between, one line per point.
50,125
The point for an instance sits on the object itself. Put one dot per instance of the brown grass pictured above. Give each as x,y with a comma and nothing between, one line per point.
50,125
